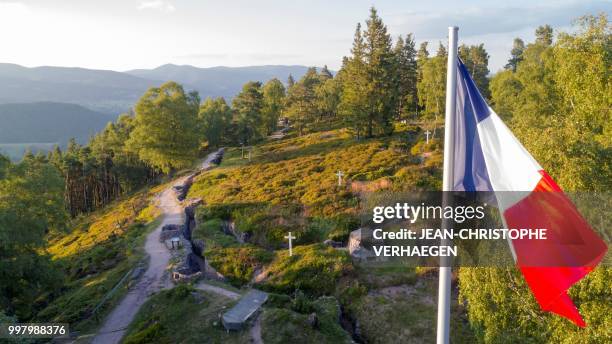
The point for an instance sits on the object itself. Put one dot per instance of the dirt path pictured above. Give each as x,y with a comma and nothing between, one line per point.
256,331
218,290
155,278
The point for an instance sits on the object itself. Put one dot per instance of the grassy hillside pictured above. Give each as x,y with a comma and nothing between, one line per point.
96,254
302,171
291,185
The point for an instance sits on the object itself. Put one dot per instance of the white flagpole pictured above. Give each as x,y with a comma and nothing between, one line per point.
444,281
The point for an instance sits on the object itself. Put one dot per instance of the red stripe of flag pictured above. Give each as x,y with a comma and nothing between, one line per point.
572,249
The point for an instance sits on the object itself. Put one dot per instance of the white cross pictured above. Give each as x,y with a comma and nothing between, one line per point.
250,150
339,174
290,237
427,134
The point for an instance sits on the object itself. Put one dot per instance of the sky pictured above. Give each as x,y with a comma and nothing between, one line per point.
129,34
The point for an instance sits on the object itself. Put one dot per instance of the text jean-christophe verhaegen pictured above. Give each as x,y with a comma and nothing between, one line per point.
458,214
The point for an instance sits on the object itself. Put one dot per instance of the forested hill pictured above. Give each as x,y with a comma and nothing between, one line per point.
49,122
115,92
218,81
99,90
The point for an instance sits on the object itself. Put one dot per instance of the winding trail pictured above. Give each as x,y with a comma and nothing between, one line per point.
156,277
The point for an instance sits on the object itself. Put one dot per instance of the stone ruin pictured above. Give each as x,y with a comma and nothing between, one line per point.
359,253
191,263
170,231
182,188
190,222
218,156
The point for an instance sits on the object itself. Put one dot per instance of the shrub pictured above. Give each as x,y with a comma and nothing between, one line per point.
313,269
147,335
237,264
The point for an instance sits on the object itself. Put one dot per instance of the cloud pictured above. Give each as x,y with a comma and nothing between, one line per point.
480,21
156,5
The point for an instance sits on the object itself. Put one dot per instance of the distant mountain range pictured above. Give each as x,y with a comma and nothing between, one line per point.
115,92
218,81
43,106
49,122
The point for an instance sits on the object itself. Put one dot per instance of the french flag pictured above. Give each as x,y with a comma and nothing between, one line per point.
488,157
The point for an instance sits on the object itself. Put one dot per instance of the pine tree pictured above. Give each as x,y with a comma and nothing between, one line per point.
328,95
301,107
353,104
516,54
325,74
544,35
379,56
476,60
407,75
290,81
369,98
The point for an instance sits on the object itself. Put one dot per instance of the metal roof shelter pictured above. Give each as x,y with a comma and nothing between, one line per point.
249,304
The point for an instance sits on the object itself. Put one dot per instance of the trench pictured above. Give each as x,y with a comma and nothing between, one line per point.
194,261
350,325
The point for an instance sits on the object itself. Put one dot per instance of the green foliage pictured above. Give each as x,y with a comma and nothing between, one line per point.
368,97
165,131
215,118
558,97
101,248
431,85
31,206
274,99
162,319
301,106
278,301
505,91
237,264
296,327
516,54
328,96
406,75
502,309
100,172
562,100
544,35
314,269
301,171
476,60
248,106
